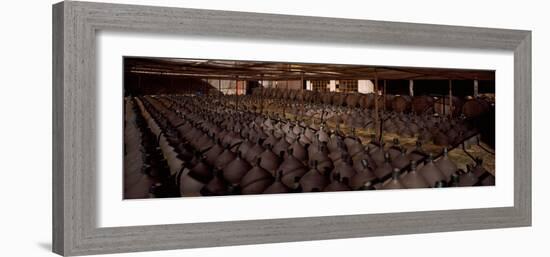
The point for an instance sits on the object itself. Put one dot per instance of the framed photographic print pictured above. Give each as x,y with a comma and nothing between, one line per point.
183,128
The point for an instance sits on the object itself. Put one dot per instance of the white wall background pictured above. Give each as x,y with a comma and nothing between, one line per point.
25,127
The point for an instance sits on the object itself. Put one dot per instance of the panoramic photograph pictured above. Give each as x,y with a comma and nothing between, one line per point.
207,127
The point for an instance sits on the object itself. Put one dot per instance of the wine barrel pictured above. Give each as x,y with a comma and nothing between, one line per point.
300,95
441,105
475,107
272,93
275,93
421,104
368,101
312,96
326,97
352,100
389,101
362,100
286,93
401,103
266,92
257,91
292,94
339,99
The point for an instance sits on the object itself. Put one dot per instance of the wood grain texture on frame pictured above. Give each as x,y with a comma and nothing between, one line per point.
74,122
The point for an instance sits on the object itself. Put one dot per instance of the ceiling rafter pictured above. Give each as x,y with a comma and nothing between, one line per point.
261,70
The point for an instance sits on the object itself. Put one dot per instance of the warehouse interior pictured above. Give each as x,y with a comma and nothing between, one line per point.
197,127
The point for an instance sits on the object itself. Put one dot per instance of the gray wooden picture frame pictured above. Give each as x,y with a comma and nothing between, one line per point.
75,25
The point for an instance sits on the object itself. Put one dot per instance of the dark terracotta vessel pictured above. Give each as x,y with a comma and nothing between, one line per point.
281,146
377,154
235,170
439,184
217,185
401,161
455,179
430,172
337,184
204,142
269,160
413,179
314,180
322,135
358,158
271,140
335,144
256,180
395,149
254,152
364,177
201,171
231,132
309,134
258,186
446,166
345,169
224,159
292,170
417,153
277,187
394,182
353,145
213,153
384,169
299,151
468,178
244,147
190,186
321,157
478,169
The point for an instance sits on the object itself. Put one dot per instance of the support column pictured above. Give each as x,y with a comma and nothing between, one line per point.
376,116
450,98
302,85
302,97
476,88
219,88
411,87
237,92
139,82
262,95
384,107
